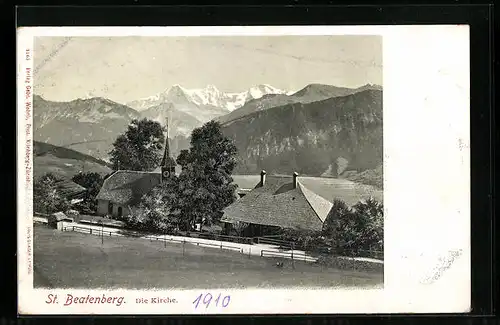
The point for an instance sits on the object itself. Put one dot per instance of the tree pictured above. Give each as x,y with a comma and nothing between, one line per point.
370,218
339,213
139,147
46,197
357,228
93,183
304,239
158,211
205,183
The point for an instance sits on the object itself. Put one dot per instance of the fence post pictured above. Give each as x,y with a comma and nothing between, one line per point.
165,241
249,250
91,231
293,262
220,245
183,246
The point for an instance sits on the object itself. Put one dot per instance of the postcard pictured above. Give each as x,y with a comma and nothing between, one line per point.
243,170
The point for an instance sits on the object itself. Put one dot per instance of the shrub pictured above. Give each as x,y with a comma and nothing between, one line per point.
370,218
156,211
355,230
339,213
46,197
305,239
93,183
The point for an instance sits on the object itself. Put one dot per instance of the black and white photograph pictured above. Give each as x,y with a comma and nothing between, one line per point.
235,170
178,162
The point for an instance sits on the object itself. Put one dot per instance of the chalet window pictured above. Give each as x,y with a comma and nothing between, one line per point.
120,211
110,208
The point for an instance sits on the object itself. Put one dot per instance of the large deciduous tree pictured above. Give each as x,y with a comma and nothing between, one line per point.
205,182
139,148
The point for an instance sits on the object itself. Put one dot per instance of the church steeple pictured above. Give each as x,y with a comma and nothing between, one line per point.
167,163
166,152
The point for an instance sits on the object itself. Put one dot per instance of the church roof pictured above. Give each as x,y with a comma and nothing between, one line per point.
127,187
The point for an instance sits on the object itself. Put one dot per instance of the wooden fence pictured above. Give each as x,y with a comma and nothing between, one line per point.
165,239
293,255
233,239
286,245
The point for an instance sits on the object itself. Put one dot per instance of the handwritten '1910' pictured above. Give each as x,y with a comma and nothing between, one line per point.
207,298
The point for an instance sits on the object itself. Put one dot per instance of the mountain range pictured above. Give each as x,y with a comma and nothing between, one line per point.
318,130
206,103
308,94
86,125
327,137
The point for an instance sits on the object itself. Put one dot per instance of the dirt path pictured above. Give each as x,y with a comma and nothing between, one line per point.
255,250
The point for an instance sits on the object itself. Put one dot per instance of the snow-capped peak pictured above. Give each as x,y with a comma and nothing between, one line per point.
258,91
211,88
210,95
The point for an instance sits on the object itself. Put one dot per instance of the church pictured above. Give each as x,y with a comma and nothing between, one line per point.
123,189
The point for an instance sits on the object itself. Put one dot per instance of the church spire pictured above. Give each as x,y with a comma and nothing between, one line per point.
167,163
166,153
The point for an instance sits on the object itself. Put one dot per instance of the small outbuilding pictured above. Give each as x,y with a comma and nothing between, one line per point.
59,220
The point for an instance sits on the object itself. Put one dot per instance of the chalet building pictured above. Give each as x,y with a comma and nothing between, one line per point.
123,189
277,202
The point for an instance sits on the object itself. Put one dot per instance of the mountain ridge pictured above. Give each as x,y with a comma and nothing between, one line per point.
90,126
310,93
209,96
63,161
310,137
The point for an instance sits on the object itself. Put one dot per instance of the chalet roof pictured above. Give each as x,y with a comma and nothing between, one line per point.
68,188
127,187
246,182
328,188
278,203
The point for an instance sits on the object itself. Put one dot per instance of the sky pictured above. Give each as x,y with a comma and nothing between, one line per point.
128,68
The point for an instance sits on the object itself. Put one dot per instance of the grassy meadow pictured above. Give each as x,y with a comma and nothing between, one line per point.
75,260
